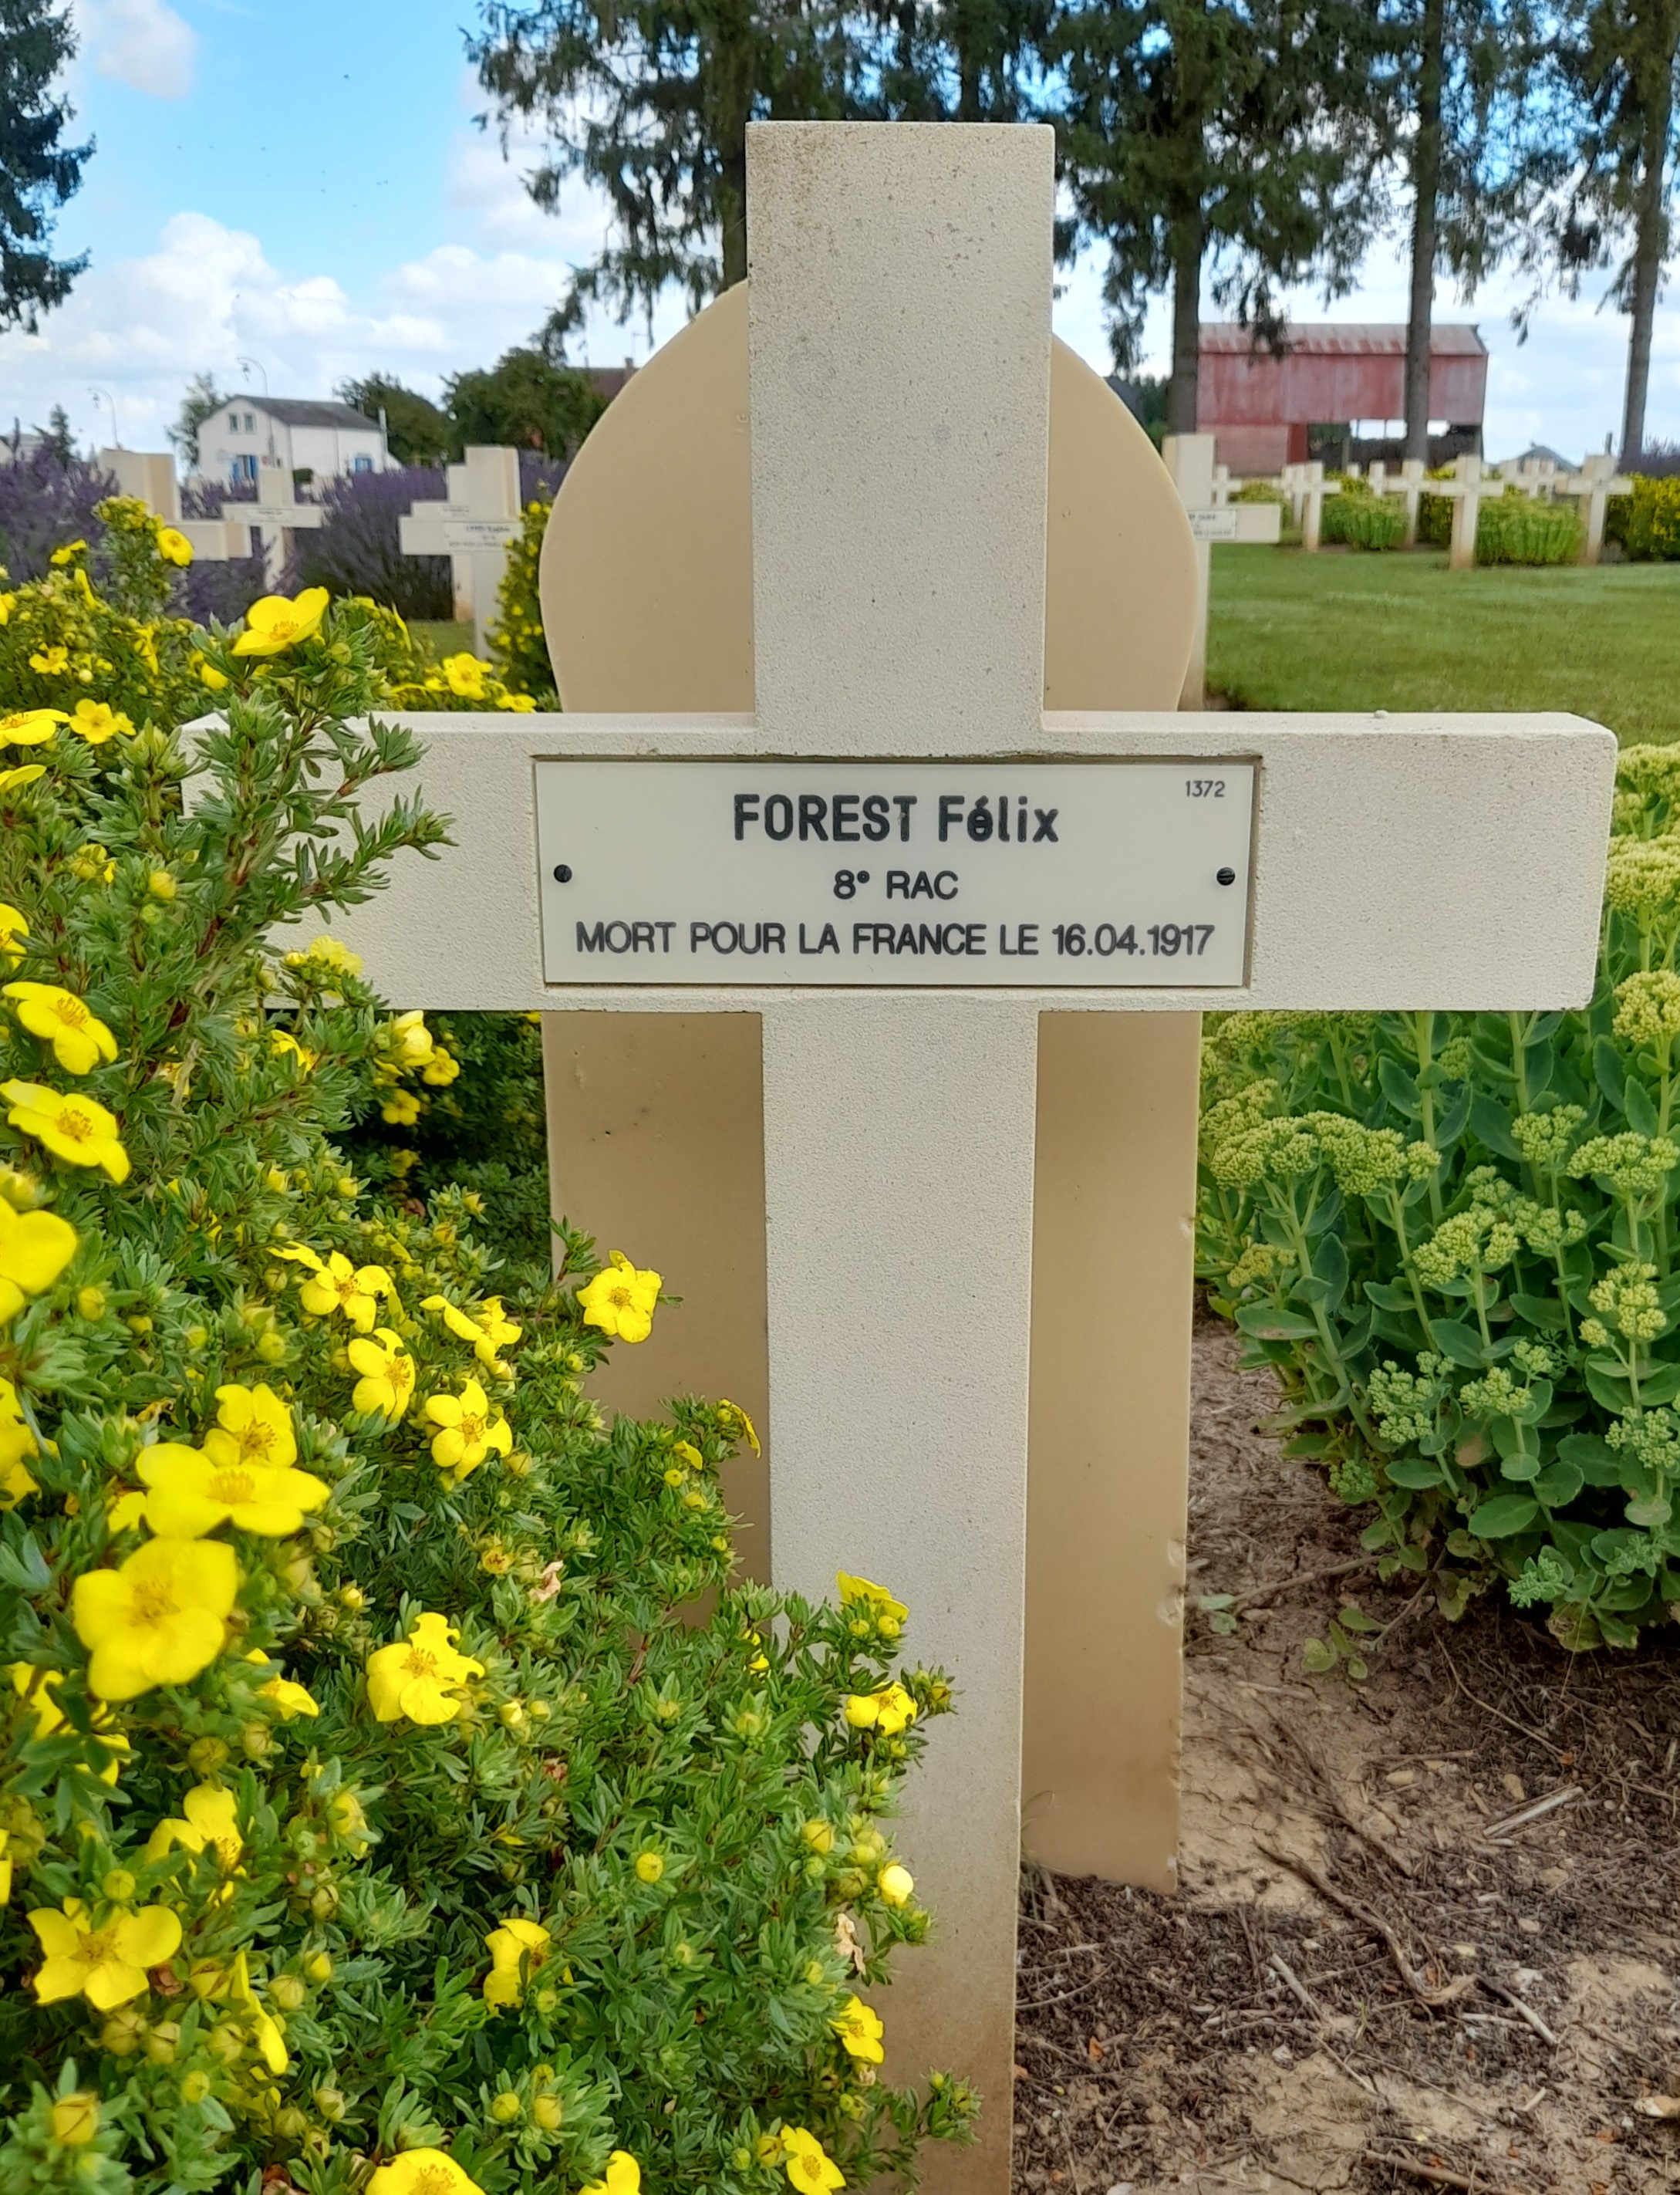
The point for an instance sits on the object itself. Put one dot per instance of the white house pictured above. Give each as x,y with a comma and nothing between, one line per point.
326,440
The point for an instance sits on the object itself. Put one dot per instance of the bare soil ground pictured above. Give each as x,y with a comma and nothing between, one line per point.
1430,1928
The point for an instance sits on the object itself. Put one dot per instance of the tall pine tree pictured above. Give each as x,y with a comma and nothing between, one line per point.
37,170
1235,139
1473,135
649,101
1620,65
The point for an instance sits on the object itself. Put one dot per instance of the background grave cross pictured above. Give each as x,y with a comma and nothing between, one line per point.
472,526
277,514
939,1168
149,476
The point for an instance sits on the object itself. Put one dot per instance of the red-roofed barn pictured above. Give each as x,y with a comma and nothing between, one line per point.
1333,379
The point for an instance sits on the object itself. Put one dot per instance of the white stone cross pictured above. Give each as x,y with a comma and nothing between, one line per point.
1596,482
472,526
921,883
1467,490
149,476
1307,488
276,514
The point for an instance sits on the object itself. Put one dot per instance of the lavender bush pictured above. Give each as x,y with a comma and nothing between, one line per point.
356,551
45,503
206,590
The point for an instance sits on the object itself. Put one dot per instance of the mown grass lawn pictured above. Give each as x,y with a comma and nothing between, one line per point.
1347,630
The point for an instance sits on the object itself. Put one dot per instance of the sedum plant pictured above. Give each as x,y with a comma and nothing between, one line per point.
1452,1235
374,1813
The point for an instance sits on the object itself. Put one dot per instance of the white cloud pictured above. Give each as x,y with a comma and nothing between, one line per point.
142,44
209,295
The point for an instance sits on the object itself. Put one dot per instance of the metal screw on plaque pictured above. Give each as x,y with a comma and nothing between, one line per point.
562,872
1225,876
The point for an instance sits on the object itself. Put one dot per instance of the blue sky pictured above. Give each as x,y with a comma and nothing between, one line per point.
303,184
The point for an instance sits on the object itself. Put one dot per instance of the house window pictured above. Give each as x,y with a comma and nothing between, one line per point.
251,424
361,463
244,468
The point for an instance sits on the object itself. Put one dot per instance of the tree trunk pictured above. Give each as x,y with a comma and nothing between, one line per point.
1187,323
1650,235
1425,200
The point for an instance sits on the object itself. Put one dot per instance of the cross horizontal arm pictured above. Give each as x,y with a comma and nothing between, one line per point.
1397,861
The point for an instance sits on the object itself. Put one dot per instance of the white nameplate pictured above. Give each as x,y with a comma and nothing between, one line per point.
275,514
1213,525
1115,874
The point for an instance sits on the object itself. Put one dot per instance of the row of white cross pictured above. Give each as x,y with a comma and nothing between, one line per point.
1470,486
473,526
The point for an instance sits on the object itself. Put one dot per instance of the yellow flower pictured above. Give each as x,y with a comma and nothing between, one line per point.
13,781
283,1043
214,679
490,1332
192,1493
340,1286
401,1110
623,2177
291,1699
17,1445
105,1964
35,1247
422,2172
157,1618
620,1299
78,1038
274,623
264,2027
735,1424
29,727
411,1038
509,1944
387,1384
253,1426
858,1591
465,676
125,1510
173,546
70,1126
896,1884
441,1069
887,1711
49,661
423,1676
861,2029
76,2119
49,1716
211,1823
12,927
68,554
96,721
329,953
809,2167
470,1429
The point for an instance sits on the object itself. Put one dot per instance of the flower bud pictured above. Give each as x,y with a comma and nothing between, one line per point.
291,2123
161,884
206,1754
124,2031
195,2087
288,1991
76,2119
819,1836
505,2108
226,2042
257,1739
649,1866
547,2112
325,1902
160,2043
511,1715
319,1967
271,1346
352,1597
331,2103
90,1303
138,1323
118,1885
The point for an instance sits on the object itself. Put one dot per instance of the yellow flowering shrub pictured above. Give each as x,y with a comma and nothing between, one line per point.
517,646
373,1821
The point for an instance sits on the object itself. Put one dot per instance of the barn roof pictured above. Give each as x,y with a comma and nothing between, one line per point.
1345,339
